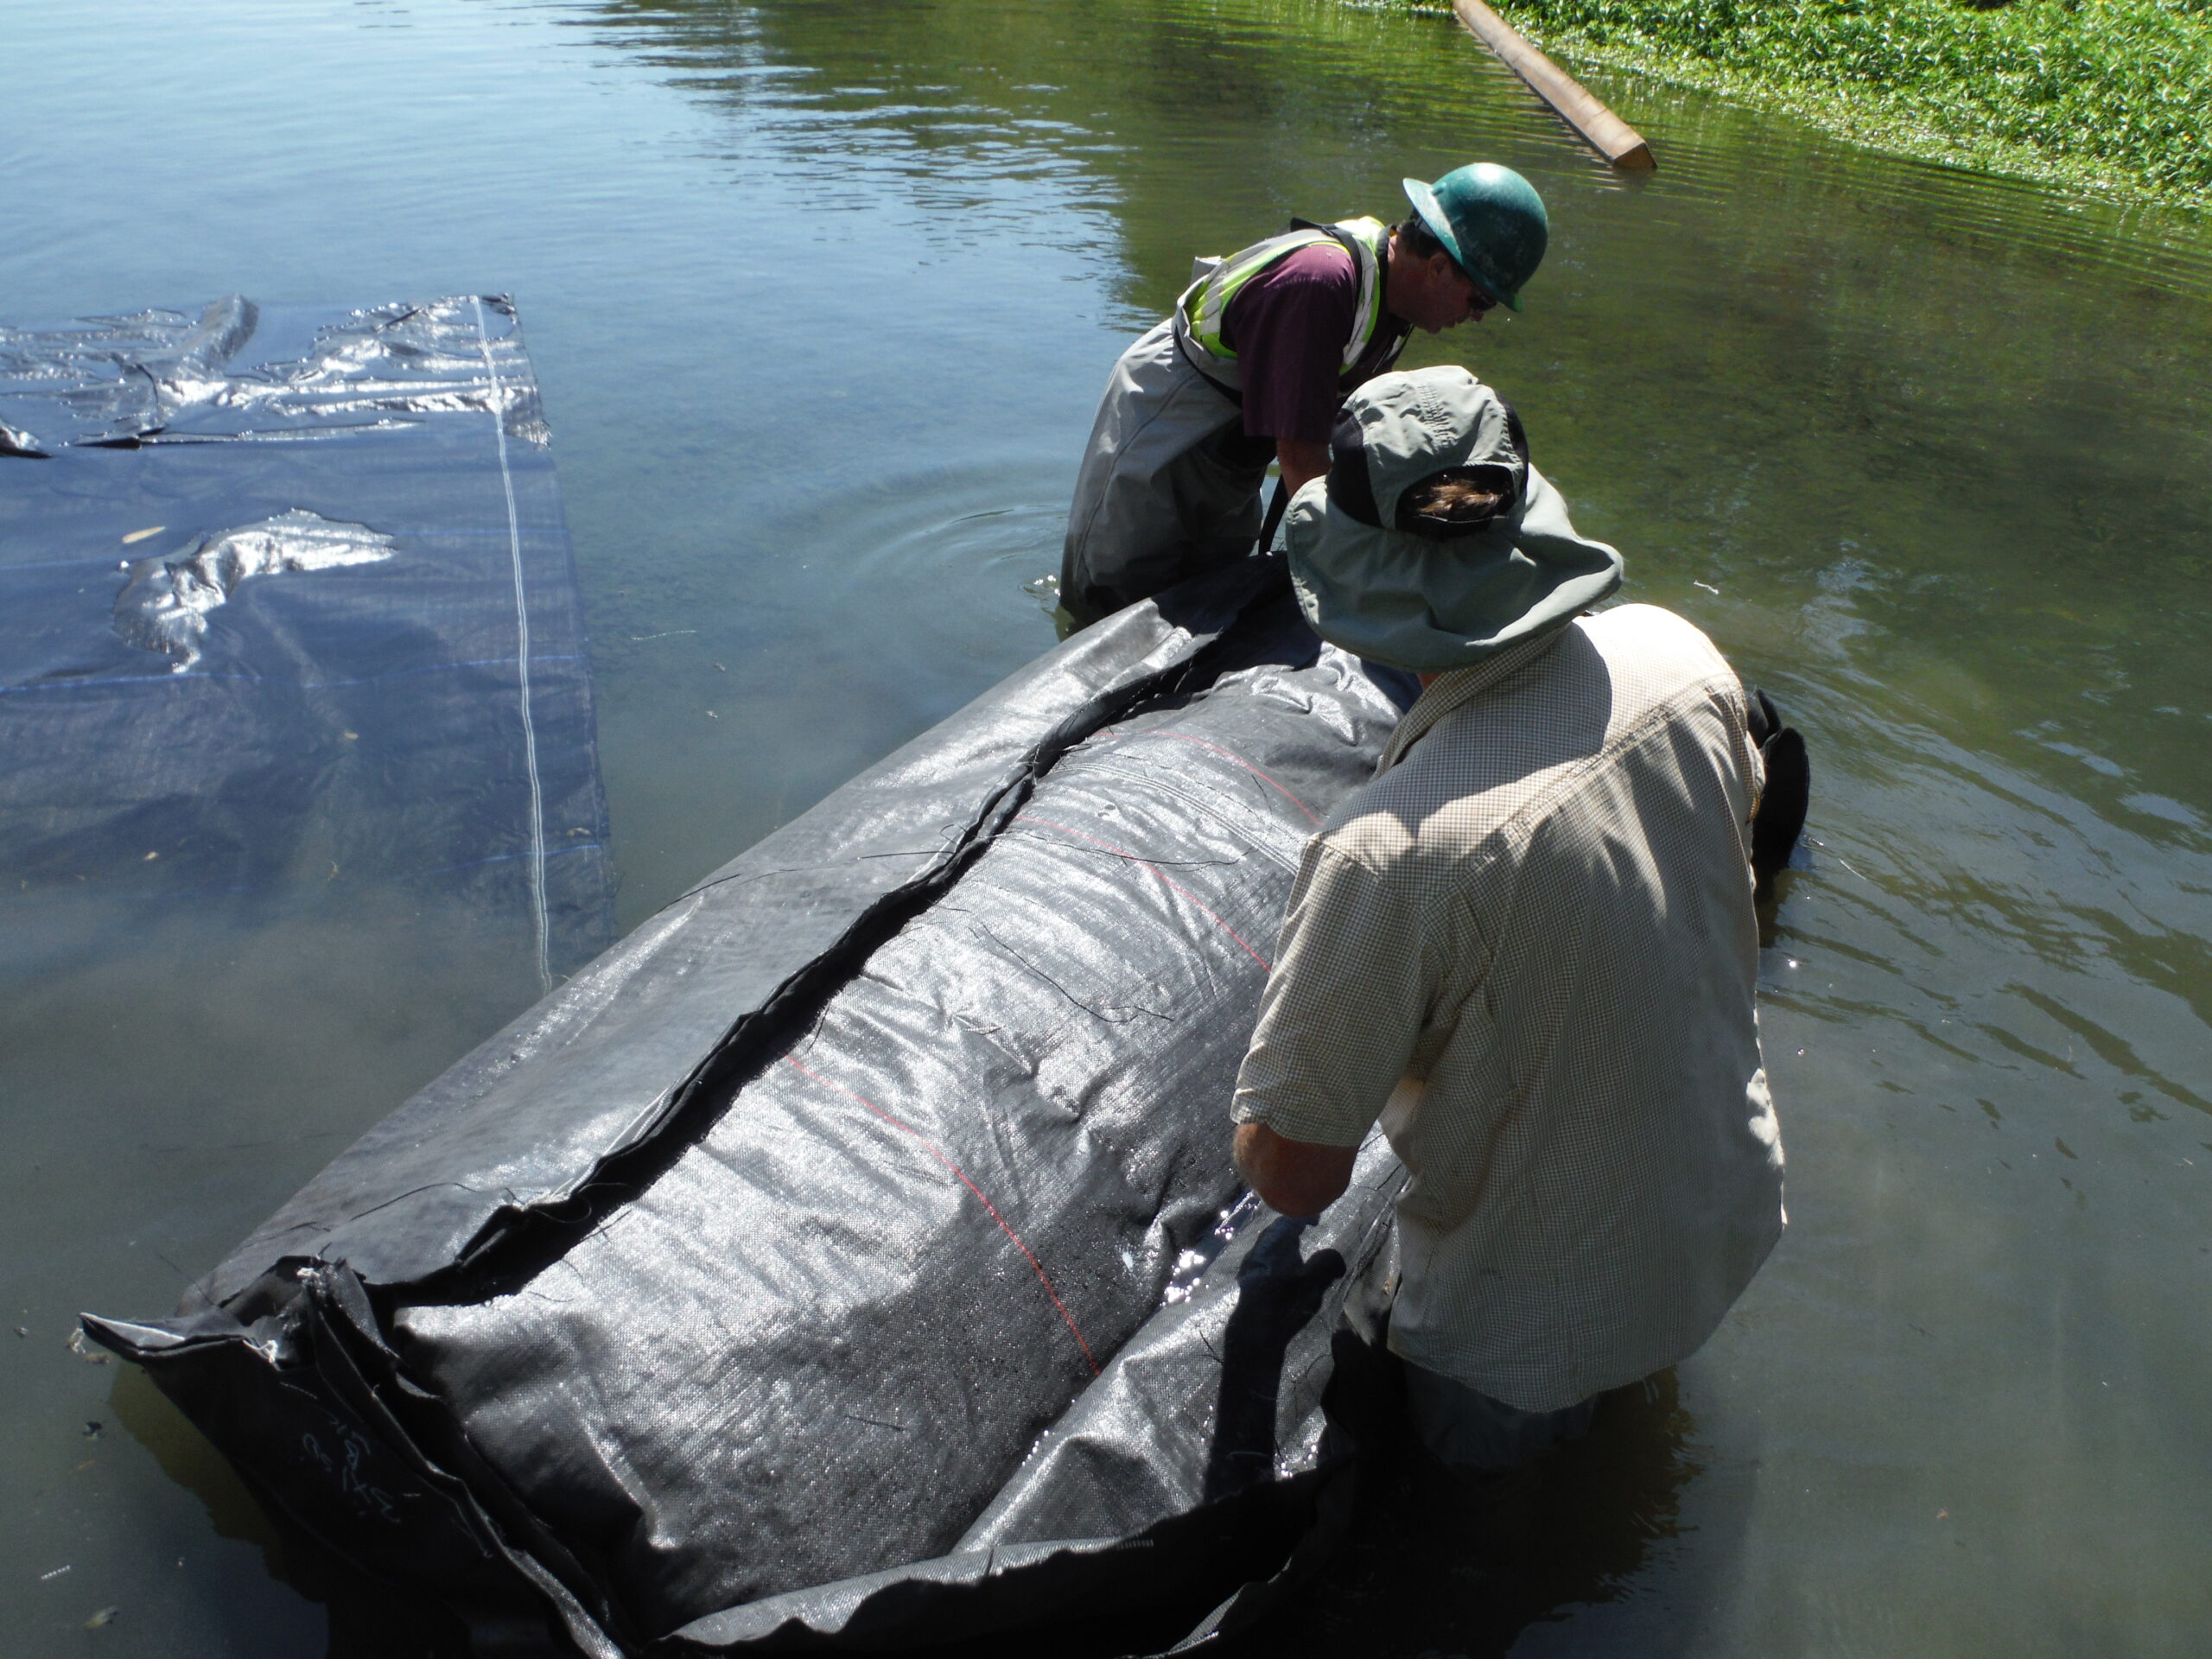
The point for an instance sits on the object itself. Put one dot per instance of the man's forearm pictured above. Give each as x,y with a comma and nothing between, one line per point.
1297,1178
1300,462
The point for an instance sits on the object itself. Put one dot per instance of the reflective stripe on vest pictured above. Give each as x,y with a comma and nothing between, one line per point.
1199,313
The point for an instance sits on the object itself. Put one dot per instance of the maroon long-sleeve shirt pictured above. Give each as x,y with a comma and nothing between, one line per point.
1288,327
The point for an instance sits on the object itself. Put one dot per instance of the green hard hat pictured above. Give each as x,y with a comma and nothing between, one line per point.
1493,223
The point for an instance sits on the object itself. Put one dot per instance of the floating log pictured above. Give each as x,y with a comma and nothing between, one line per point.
1604,132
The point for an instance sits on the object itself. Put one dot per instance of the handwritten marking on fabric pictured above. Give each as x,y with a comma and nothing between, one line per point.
1043,1278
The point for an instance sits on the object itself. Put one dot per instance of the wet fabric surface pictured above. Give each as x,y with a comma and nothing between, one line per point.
293,618
797,1240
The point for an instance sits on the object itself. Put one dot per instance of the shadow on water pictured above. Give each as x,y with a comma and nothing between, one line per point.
1436,1563
1432,1562
186,1458
367,1620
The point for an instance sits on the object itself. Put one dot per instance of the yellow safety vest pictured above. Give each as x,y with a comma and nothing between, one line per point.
1199,313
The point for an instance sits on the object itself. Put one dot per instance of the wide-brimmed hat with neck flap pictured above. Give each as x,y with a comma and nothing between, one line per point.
1439,595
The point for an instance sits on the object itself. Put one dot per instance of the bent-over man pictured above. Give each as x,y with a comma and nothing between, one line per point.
1528,947
1252,367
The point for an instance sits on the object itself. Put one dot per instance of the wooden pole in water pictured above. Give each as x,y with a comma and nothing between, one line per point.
1605,132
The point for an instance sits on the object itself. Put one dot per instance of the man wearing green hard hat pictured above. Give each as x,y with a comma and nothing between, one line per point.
1253,364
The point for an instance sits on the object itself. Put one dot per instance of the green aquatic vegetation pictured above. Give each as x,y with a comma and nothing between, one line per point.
2114,95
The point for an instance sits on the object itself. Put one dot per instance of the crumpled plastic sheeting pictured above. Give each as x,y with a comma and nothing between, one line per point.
165,604
108,378
852,1256
269,574
166,376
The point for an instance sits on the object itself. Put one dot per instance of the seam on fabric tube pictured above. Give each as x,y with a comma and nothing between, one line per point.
1124,852
1043,1278
522,664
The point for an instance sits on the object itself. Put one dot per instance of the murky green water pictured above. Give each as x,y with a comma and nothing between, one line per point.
820,296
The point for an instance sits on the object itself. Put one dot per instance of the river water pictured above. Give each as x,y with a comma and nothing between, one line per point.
820,296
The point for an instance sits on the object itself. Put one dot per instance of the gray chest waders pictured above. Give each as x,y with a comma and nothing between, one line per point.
1169,485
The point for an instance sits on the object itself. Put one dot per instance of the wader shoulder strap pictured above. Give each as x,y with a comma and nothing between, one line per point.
1269,526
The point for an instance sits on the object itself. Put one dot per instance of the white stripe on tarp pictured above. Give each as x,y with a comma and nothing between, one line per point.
522,666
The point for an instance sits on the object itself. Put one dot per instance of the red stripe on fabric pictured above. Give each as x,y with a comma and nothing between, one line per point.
1124,852
1043,1278
1184,737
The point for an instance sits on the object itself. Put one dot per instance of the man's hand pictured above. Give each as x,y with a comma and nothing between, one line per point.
1296,1177
1300,462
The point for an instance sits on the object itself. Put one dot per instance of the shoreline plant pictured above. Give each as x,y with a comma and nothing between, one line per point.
2113,96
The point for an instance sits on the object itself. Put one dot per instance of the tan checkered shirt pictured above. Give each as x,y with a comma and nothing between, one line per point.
1541,909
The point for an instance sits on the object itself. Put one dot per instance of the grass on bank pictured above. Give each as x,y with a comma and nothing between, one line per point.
2114,96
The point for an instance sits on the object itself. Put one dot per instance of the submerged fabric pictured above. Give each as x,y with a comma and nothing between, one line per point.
852,1256
293,620
1541,911
1431,604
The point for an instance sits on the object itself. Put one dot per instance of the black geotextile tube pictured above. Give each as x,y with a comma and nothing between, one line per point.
851,1257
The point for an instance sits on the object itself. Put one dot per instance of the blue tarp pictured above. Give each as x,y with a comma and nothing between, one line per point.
292,619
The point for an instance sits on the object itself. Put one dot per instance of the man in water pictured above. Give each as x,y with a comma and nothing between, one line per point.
1528,947
1253,364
